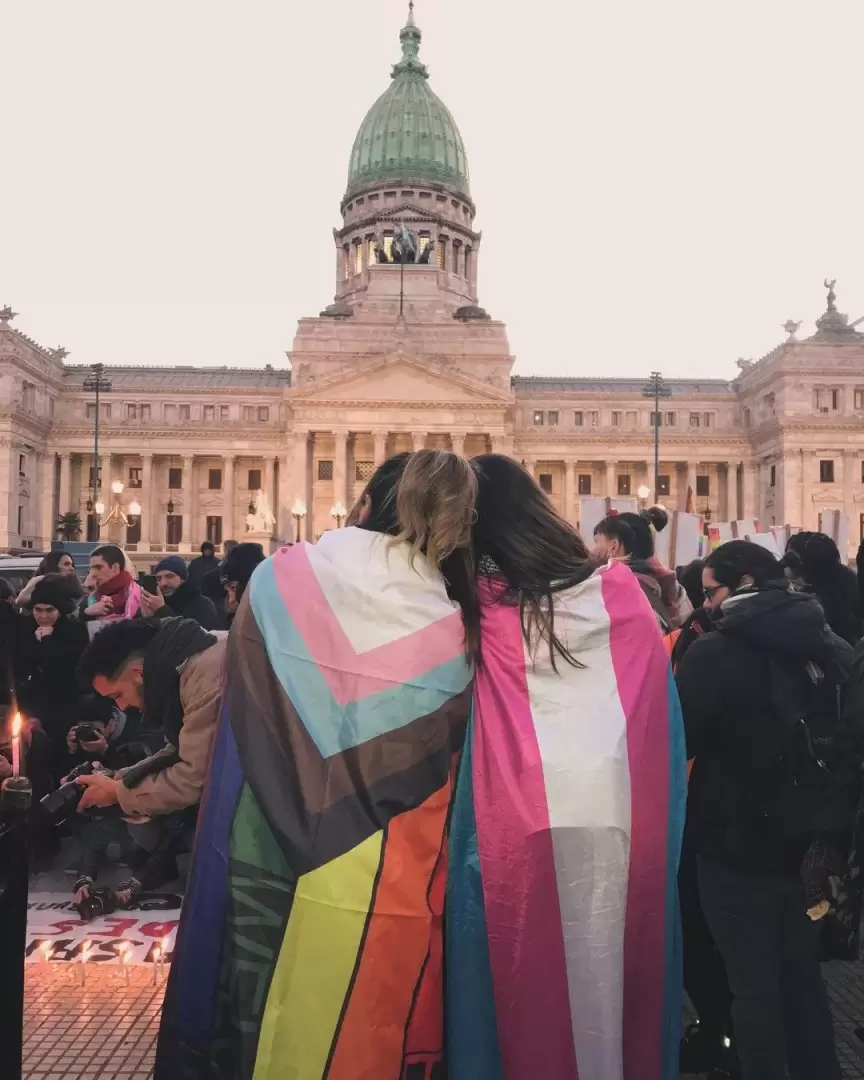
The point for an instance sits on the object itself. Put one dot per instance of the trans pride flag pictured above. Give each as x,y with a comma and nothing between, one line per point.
311,939
563,946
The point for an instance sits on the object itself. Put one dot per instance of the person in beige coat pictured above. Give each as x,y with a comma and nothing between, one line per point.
172,671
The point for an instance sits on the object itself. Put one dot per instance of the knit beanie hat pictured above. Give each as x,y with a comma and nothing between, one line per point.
174,565
57,590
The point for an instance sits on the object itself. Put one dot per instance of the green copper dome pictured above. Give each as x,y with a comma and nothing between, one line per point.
408,134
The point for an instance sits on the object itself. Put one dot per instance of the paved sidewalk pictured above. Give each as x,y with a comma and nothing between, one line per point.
106,1030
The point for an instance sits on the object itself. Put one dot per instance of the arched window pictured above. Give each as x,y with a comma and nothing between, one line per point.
346,262
358,257
469,255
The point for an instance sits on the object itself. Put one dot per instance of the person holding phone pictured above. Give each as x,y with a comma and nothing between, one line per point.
176,596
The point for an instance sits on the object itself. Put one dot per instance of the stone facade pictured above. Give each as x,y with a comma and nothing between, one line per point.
405,358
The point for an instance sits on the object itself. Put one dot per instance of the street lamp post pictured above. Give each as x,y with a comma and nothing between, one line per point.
656,389
117,513
338,513
298,512
98,384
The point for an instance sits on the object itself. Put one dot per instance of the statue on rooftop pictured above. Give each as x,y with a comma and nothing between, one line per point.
791,329
262,520
832,296
7,315
404,246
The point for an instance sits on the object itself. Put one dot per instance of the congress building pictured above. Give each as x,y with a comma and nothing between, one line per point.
406,357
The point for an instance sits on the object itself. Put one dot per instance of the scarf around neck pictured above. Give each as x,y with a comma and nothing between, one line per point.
118,584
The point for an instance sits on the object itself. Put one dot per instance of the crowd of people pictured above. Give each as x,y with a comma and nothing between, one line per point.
451,739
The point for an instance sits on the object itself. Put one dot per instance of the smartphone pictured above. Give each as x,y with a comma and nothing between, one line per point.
149,584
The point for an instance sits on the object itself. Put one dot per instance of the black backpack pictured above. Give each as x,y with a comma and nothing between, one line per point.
813,780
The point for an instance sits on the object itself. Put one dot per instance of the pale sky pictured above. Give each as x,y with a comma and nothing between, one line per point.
659,185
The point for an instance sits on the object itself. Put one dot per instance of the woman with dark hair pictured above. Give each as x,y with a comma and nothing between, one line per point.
654,576
55,562
812,562
568,814
758,693
347,695
50,645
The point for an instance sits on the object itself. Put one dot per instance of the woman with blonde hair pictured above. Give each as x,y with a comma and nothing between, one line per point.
563,946
311,940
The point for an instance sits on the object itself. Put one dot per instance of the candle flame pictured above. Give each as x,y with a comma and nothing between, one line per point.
16,726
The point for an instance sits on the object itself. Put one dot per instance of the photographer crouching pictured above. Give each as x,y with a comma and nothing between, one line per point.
171,671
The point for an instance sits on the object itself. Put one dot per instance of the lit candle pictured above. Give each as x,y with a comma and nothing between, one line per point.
157,952
165,944
85,952
47,950
16,744
124,959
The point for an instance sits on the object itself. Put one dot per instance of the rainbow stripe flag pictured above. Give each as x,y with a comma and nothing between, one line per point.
563,938
311,939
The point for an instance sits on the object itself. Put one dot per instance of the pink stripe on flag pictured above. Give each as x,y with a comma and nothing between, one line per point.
348,677
523,916
642,672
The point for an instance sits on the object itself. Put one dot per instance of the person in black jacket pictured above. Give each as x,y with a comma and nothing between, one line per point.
236,570
769,671
50,644
812,562
179,596
205,564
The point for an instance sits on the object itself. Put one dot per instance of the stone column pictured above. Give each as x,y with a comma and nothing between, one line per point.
301,479
188,503
851,472
611,484
380,447
690,492
47,470
66,484
457,441
284,499
340,468
748,490
229,498
149,503
503,444
570,491
419,438
267,479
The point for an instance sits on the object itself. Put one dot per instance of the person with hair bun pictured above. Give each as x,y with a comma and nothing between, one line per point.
346,698
566,828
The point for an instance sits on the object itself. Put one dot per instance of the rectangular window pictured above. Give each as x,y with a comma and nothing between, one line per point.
707,420
209,413
214,479
264,414
656,419
835,400
703,486
20,520
94,481
773,478
145,412
616,419
254,480
223,414
577,419
363,470
170,414
22,465
131,412
325,470
133,530
859,399
553,419
663,485
585,483
671,419
214,530
695,419
173,529
827,401
544,479
134,478
538,418
826,472
593,419
248,413
185,412
358,258
624,484
746,418
91,412
175,479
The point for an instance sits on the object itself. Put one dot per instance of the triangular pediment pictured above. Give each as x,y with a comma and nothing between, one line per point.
400,380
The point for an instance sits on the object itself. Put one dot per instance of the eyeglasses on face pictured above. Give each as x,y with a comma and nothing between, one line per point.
712,590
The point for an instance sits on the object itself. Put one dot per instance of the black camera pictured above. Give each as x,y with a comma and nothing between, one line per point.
64,801
99,902
87,733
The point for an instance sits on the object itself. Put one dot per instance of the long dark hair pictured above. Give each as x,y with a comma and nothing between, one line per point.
534,548
430,505
815,559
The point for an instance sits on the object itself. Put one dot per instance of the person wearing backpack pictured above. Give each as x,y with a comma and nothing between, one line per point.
774,786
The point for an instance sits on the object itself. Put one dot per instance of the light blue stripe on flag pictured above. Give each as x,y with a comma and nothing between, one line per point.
673,989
